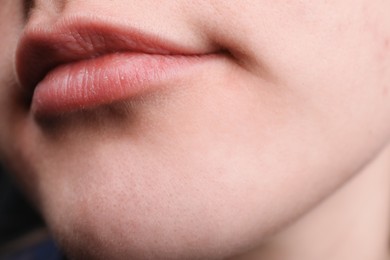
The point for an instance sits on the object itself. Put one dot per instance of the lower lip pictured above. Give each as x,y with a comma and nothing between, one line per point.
106,79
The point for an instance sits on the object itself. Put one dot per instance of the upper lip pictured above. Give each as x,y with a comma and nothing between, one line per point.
41,49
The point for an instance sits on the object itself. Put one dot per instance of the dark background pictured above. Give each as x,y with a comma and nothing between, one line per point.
17,217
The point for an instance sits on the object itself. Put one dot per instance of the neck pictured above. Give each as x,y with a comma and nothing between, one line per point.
351,224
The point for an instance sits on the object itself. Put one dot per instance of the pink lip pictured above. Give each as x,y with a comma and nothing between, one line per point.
82,63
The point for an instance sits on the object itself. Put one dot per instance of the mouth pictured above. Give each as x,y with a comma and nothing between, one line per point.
81,63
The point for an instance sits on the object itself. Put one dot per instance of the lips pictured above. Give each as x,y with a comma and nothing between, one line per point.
83,63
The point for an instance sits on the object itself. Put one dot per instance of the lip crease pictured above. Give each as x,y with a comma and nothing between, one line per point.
83,62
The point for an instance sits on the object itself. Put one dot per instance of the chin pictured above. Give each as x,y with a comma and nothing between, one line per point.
165,217
102,205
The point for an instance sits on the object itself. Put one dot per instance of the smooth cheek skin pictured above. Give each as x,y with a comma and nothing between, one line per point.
212,166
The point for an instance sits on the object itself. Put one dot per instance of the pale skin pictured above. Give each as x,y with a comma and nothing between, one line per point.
277,150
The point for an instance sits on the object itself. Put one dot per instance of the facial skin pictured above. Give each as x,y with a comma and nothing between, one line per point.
225,162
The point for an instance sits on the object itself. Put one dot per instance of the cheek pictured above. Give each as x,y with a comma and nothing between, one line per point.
11,21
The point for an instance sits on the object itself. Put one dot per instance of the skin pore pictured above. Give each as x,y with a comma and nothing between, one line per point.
277,148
